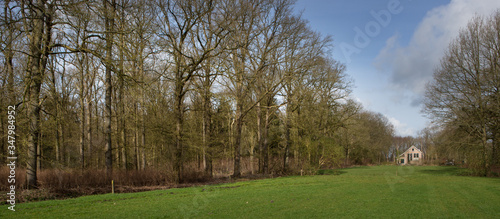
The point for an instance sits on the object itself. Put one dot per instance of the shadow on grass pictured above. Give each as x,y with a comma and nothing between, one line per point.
356,167
446,171
330,172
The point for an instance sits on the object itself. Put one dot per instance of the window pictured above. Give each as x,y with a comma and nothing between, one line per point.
415,155
413,149
402,161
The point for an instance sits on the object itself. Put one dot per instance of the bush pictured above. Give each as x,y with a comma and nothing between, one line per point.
64,183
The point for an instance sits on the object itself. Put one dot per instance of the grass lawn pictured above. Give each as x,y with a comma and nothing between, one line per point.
359,192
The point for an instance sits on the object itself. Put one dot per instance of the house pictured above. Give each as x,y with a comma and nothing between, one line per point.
411,156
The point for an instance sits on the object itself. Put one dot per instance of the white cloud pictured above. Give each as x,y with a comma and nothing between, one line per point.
401,129
363,103
412,66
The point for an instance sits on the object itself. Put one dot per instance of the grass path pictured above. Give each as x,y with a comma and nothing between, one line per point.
361,192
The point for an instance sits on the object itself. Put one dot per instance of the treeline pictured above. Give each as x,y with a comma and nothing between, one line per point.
464,98
194,86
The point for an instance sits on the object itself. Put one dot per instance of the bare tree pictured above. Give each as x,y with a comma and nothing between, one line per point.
109,9
303,50
181,31
464,93
38,22
247,15
8,37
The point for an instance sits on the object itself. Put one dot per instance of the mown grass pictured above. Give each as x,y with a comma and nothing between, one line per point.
361,192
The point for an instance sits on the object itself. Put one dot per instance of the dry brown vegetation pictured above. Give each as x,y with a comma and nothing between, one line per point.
67,183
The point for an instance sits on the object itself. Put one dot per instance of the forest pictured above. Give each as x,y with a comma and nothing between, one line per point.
180,91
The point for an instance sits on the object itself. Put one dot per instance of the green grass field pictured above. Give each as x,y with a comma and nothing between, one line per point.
359,192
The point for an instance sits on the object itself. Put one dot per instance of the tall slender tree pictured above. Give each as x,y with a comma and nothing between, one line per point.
109,19
38,21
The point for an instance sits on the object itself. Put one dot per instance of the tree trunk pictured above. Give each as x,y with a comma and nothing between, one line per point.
137,154
143,150
9,55
204,142
39,39
63,150
117,138
265,141
259,137
252,148
39,153
143,113
207,137
34,110
122,122
97,131
82,120
494,145
121,93
288,140
109,23
486,158
57,140
89,130
237,140
143,135
178,133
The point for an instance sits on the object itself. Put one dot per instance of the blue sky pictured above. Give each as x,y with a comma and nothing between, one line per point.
391,47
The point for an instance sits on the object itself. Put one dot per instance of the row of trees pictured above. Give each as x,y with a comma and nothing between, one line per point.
174,84
464,98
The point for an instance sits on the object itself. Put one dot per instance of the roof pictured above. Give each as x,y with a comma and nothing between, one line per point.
407,150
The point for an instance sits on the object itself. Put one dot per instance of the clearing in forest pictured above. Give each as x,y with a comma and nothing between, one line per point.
360,192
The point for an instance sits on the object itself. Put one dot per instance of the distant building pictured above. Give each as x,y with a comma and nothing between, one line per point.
411,156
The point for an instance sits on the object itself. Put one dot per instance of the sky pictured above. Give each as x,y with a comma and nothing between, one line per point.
391,48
